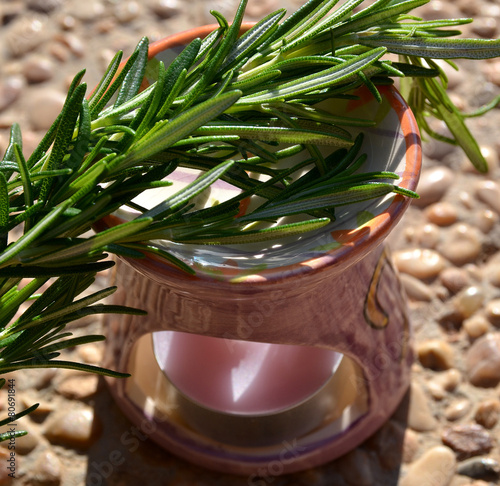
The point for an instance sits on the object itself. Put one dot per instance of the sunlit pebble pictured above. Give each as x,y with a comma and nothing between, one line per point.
468,301
438,463
490,155
67,22
59,51
487,413
435,354
454,77
492,312
433,184
492,273
461,244
465,199
457,409
428,235
454,279
125,12
441,213
72,42
476,326
416,289
482,361
420,263
46,104
488,192
444,382
166,9
485,220
10,90
38,69
104,26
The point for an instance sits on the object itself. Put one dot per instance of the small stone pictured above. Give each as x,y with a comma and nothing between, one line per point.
38,69
419,263
436,466
487,413
166,9
483,361
67,22
435,354
441,213
492,312
59,51
72,42
454,279
467,440
491,156
10,90
428,235
462,244
88,11
90,353
492,273
486,27
439,9
485,220
416,289
79,387
75,428
480,468
46,470
457,409
420,417
26,33
433,184
355,468
46,104
488,192
125,12
476,326
468,301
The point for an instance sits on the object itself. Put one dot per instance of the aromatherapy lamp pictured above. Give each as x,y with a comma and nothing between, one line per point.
283,356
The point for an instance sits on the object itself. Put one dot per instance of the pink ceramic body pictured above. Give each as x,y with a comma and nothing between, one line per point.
348,300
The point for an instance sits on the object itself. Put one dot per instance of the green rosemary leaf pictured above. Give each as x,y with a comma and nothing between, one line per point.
257,236
436,48
95,242
36,363
187,193
133,79
455,122
337,197
15,417
105,82
315,81
255,38
277,134
168,132
33,271
25,177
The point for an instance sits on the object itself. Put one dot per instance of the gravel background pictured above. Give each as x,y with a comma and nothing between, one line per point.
446,431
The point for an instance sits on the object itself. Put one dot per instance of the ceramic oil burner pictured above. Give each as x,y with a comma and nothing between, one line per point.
279,357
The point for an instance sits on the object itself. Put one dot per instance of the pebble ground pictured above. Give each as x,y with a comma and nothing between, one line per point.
445,433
